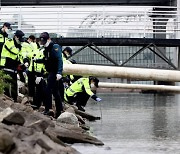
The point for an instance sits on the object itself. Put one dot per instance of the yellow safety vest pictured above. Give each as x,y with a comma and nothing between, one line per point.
34,45
9,50
26,51
78,87
38,67
2,37
2,40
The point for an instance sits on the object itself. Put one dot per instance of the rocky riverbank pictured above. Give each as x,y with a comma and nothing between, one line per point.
26,131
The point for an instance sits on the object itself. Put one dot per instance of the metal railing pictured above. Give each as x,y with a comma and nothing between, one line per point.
97,22
94,21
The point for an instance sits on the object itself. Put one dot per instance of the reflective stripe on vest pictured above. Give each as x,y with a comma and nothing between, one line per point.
3,61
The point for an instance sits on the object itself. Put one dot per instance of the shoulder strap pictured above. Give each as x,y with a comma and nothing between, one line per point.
9,50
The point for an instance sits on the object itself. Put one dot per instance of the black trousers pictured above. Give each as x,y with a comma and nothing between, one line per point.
39,94
53,88
80,99
31,83
37,91
61,89
11,88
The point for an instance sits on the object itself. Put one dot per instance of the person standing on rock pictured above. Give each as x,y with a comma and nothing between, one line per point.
54,66
36,82
10,62
6,28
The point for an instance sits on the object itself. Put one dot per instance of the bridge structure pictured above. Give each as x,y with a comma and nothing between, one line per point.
87,2
155,26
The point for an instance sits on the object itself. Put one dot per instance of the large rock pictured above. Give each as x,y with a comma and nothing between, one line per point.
40,125
70,135
5,113
68,118
32,135
5,101
21,107
38,143
70,110
25,101
6,142
14,118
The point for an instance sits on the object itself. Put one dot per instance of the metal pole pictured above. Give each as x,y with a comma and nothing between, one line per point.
122,72
178,32
58,25
61,20
160,88
20,18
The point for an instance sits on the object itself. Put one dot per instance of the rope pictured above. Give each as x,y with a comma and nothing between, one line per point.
100,109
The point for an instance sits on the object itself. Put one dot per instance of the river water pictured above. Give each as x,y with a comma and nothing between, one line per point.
135,123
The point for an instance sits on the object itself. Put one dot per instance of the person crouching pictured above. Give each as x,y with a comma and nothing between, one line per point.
80,91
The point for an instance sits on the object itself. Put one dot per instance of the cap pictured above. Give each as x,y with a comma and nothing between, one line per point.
96,81
68,49
8,25
43,38
20,35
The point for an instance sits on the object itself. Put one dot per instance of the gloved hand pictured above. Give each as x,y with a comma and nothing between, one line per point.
98,99
18,77
26,64
24,74
58,76
38,80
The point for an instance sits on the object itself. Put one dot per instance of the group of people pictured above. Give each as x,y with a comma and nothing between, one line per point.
40,65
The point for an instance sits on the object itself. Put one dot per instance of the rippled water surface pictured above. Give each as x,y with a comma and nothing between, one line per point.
135,123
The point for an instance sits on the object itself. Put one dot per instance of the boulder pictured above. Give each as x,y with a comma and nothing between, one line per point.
5,113
21,107
6,142
70,110
68,118
14,118
5,102
40,125
25,101
70,135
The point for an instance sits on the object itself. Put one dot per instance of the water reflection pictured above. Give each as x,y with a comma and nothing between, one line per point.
177,100
135,123
160,117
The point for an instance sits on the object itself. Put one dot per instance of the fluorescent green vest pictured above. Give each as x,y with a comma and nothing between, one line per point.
38,67
78,87
9,50
2,40
34,45
25,52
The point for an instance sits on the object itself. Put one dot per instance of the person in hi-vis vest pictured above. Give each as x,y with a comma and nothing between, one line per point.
5,30
80,91
10,61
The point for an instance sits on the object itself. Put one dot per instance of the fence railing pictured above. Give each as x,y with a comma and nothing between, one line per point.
94,21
